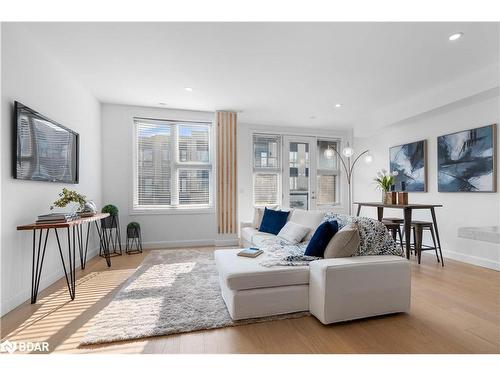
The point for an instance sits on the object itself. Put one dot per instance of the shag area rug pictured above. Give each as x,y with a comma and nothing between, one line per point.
172,291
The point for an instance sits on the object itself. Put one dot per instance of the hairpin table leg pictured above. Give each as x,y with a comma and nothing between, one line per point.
36,270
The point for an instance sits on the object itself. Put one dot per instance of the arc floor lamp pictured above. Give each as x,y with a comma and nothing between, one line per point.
348,153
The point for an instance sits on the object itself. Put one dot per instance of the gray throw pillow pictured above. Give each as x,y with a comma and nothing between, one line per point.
344,243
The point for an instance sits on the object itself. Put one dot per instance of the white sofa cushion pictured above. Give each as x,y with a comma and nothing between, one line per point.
254,237
240,273
247,233
293,232
254,303
308,218
351,288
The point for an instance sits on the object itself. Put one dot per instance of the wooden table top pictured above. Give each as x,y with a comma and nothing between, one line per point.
410,205
68,224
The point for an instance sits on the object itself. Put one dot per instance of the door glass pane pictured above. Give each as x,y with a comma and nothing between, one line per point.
327,173
327,158
299,175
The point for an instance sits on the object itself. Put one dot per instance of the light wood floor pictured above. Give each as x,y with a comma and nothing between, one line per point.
455,309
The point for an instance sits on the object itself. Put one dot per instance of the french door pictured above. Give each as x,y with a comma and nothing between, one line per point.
299,172
310,178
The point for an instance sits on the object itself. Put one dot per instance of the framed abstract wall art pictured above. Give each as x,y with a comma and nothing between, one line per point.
467,160
410,161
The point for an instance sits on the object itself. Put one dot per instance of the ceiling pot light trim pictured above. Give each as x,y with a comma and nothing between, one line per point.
455,36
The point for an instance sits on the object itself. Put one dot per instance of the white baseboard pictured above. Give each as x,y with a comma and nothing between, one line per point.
471,259
45,281
189,243
227,242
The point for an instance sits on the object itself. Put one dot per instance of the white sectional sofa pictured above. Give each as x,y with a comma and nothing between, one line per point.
333,290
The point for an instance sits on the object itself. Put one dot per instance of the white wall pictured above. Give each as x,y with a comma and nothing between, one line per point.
245,162
460,209
189,228
31,77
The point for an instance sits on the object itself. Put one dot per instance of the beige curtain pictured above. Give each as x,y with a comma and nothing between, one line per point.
226,172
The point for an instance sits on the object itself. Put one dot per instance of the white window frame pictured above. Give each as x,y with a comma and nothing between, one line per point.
278,171
329,172
175,208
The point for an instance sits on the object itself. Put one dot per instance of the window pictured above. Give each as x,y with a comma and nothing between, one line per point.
266,169
173,164
327,176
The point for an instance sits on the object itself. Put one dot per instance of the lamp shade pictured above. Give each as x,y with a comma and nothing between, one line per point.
329,153
348,152
368,158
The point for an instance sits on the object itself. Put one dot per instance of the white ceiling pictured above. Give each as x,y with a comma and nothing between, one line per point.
274,73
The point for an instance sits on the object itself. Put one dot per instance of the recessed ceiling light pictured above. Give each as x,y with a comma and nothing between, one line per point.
161,103
338,105
188,89
455,36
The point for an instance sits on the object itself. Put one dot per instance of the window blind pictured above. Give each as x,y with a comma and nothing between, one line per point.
173,164
193,144
327,174
194,187
266,189
267,169
154,146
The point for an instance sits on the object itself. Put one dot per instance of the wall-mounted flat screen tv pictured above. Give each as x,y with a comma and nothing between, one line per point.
44,150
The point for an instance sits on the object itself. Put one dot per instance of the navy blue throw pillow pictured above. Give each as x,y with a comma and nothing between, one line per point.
273,221
320,238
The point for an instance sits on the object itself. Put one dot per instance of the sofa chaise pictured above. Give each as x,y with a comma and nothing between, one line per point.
333,290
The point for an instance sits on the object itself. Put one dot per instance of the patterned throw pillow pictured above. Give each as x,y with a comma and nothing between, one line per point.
374,237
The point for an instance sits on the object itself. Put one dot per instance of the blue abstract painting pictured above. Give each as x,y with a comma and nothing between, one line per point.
466,160
409,161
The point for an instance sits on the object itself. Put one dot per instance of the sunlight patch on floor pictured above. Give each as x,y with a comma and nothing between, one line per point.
56,311
160,275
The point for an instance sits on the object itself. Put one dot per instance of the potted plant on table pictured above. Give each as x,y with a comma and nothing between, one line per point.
85,207
385,182
112,220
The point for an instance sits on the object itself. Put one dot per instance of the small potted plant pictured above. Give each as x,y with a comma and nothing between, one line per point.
134,238
112,220
70,196
110,229
384,181
133,230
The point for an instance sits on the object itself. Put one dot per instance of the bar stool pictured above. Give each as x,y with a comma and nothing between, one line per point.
395,229
418,228
394,220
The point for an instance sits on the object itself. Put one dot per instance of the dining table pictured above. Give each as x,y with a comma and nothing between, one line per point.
407,217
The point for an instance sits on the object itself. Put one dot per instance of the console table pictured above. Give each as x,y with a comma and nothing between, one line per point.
76,237
407,212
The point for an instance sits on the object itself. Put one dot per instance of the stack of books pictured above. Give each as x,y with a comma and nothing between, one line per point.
55,218
250,252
